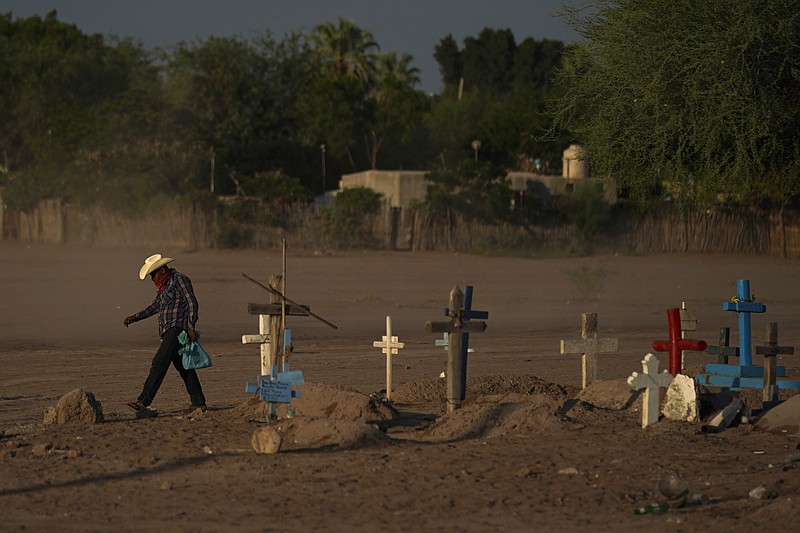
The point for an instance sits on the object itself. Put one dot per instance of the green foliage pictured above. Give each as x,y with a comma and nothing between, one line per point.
276,187
347,224
589,212
476,190
699,97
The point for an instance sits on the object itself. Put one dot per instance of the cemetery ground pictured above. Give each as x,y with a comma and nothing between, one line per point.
526,451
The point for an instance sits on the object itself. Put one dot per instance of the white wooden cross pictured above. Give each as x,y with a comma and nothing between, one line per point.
589,346
651,381
263,338
389,345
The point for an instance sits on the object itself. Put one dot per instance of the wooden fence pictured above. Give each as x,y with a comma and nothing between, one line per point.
667,230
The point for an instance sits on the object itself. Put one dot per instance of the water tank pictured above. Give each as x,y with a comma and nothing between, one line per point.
574,166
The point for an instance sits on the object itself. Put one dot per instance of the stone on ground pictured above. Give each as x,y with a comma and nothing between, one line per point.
682,402
266,440
783,418
75,407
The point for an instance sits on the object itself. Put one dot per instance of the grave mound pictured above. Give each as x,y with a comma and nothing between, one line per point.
75,407
493,415
322,400
303,433
435,390
614,394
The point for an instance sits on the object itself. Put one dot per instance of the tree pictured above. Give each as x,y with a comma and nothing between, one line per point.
448,55
345,48
398,107
700,97
338,108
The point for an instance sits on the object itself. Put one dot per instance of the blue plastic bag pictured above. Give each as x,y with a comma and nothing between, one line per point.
192,354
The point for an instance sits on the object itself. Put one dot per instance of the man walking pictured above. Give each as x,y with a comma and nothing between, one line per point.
176,306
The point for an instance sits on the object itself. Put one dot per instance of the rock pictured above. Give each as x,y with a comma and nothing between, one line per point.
682,402
761,493
783,418
75,407
569,471
40,450
266,440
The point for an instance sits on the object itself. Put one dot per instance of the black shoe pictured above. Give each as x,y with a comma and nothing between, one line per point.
142,411
137,405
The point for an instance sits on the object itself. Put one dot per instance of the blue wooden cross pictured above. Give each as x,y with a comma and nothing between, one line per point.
743,305
745,374
467,313
277,388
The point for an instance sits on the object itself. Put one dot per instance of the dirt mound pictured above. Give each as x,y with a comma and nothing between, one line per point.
498,414
435,390
303,433
75,407
613,394
321,400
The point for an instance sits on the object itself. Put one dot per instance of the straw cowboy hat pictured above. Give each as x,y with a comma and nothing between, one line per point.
153,263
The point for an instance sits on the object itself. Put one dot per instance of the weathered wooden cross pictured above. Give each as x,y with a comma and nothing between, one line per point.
675,345
770,350
269,327
271,323
390,345
589,346
651,381
724,349
688,323
459,326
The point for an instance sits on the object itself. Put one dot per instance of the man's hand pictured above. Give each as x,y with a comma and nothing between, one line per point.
192,334
128,320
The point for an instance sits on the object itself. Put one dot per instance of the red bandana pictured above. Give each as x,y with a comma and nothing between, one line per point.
163,281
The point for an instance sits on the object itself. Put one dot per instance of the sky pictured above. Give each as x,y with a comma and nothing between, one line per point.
412,26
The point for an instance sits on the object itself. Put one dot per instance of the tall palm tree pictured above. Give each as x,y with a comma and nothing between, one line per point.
346,48
391,68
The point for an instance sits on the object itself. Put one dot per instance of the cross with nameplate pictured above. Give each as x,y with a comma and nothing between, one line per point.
459,326
589,346
651,381
724,350
390,345
277,386
770,350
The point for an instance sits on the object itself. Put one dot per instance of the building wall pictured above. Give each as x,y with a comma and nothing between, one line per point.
398,187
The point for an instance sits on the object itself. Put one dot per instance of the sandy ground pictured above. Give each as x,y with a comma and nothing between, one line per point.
521,454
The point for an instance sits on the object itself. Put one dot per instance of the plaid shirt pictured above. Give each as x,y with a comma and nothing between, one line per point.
176,305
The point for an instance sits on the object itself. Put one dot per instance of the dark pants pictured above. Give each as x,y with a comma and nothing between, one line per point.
168,353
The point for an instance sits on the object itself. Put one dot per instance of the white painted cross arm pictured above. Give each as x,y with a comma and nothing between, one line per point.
390,344
255,339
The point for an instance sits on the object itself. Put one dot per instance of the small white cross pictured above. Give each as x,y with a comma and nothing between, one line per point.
651,381
389,345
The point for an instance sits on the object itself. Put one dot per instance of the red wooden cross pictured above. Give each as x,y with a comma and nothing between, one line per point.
675,344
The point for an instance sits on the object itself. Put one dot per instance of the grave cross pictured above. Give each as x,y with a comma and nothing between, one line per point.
744,304
724,350
688,323
675,344
459,323
770,350
276,387
269,325
589,346
390,345
651,381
